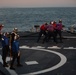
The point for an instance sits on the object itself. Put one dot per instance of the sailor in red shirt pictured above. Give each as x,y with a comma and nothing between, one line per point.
54,25
1,26
42,31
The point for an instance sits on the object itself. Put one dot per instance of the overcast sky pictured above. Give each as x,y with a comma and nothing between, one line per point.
37,3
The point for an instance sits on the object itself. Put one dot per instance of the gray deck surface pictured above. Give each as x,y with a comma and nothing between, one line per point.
37,58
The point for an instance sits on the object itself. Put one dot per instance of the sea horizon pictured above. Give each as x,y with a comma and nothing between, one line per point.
39,7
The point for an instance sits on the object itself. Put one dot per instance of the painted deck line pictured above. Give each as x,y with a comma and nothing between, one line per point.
31,62
54,47
24,46
69,48
69,37
39,47
12,72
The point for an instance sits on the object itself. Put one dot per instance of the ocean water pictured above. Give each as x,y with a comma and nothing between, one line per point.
25,18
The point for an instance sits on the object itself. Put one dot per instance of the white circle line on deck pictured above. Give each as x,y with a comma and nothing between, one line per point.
61,63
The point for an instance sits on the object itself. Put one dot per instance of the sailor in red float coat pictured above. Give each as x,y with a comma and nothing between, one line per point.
42,31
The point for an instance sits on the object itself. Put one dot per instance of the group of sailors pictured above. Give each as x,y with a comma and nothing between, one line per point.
10,43
51,30
10,46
